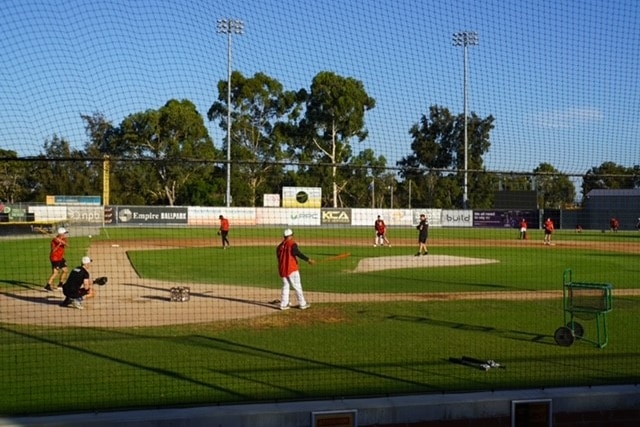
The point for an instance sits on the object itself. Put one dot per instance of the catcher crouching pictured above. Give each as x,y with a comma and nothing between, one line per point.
79,285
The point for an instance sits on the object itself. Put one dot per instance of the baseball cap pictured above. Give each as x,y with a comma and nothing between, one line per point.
86,260
287,232
62,230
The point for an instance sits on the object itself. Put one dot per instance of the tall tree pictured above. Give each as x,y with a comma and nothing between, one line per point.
611,176
259,105
60,170
436,164
358,175
175,139
12,174
555,189
334,115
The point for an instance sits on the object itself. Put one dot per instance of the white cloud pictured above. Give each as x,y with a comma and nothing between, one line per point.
570,118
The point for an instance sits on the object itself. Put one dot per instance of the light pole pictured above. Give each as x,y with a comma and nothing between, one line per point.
229,27
464,39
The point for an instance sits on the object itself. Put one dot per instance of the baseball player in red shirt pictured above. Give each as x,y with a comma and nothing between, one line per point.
548,231
381,233
288,254
523,229
56,256
223,231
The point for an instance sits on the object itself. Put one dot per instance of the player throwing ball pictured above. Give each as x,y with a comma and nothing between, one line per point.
288,254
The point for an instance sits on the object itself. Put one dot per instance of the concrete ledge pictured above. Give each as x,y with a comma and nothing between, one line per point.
374,411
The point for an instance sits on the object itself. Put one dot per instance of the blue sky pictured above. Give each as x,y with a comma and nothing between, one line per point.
560,77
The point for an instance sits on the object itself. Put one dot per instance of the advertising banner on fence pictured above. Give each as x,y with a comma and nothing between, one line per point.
271,200
301,197
394,217
209,215
291,217
145,215
336,216
434,216
85,214
74,200
490,219
505,218
457,218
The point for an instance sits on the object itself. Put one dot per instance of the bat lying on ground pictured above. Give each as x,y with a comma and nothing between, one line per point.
491,363
483,365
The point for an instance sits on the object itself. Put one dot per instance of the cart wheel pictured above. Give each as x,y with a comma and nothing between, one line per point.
564,336
578,330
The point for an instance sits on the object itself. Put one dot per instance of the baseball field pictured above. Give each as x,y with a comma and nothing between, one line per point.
382,321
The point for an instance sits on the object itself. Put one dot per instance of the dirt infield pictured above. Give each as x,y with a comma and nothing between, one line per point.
131,301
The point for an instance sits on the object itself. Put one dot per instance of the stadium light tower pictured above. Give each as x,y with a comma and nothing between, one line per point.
229,27
464,39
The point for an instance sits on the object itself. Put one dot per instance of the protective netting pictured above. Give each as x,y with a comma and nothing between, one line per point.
127,101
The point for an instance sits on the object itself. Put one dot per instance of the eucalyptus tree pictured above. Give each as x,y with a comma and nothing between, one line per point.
436,163
259,105
59,170
555,189
12,177
171,146
610,175
334,115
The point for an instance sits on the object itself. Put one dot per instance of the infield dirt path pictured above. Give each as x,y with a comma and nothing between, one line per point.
131,301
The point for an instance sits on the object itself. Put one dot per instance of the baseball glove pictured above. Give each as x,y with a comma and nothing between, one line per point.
101,281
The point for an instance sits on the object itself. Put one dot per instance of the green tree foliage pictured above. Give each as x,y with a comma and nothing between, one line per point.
60,170
259,106
436,165
12,177
171,146
334,115
555,190
357,177
610,176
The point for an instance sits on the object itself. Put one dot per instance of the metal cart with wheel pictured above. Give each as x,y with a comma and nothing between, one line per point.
584,301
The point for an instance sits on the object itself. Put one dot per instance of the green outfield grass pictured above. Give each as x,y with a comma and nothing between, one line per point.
518,268
374,349
332,350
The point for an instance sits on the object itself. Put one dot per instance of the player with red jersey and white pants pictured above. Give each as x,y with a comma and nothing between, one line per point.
56,256
381,233
288,254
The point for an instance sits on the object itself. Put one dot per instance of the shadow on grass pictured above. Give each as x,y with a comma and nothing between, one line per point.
504,333
159,371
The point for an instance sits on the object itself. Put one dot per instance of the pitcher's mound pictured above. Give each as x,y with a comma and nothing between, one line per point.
423,261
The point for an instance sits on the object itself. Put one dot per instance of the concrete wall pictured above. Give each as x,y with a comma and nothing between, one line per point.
620,405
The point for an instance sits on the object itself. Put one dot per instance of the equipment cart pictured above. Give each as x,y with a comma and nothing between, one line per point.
585,301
